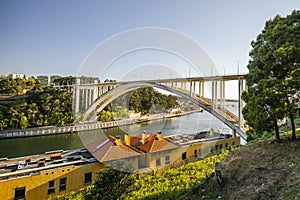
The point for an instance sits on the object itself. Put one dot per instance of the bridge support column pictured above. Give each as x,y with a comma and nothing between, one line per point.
224,97
76,97
212,94
202,89
194,88
191,88
222,94
233,133
86,98
215,94
241,89
95,91
199,89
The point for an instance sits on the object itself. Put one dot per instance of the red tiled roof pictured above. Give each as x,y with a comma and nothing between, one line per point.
136,140
107,150
92,146
154,144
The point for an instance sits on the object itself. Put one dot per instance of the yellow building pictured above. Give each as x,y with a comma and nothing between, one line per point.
157,151
59,172
47,176
193,149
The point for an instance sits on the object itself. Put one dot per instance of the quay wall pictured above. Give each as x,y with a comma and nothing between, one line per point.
49,130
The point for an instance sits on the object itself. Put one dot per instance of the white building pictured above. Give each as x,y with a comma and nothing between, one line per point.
15,76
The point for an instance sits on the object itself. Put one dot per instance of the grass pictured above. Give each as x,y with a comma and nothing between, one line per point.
171,183
262,170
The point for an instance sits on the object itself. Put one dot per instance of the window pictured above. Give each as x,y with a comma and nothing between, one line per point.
158,162
226,145
195,153
233,143
183,156
20,193
221,146
217,148
62,184
88,178
51,187
200,152
167,160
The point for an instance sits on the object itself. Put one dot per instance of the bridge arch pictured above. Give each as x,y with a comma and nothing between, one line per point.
102,101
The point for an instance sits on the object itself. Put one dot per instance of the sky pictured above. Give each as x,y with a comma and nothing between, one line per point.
58,37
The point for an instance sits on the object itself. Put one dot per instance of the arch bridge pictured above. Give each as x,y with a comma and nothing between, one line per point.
89,99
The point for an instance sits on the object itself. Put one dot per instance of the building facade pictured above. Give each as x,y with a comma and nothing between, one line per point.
56,173
47,176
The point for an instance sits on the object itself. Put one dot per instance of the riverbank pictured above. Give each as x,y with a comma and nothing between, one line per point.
54,130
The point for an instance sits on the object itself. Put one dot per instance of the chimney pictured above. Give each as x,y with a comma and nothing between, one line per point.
127,139
144,136
233,133
211,132
118,140
159,135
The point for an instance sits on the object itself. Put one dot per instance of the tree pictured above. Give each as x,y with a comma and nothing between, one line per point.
273,79
112,183
141,100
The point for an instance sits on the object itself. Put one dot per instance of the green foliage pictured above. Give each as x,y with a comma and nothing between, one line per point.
172,183
144,100
75,195
274,73
110,184
69,80
105,115
41,106
10,86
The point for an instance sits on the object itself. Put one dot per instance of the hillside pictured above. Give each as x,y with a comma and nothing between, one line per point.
262,170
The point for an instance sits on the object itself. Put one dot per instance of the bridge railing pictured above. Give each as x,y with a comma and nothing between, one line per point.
49,130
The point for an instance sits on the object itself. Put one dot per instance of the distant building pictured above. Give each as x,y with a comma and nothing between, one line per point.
54,77
47,80
134,115
15,76
174,110
88,80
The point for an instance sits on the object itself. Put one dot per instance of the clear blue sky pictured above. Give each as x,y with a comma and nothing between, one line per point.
54,37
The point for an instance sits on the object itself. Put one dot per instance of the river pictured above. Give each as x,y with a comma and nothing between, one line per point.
187,124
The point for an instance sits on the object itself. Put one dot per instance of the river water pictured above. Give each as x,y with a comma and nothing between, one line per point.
187,124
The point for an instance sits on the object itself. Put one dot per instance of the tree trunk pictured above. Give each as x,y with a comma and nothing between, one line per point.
290,113
277,130
293,125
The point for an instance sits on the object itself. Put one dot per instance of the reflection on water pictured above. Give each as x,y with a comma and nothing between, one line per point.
186,124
